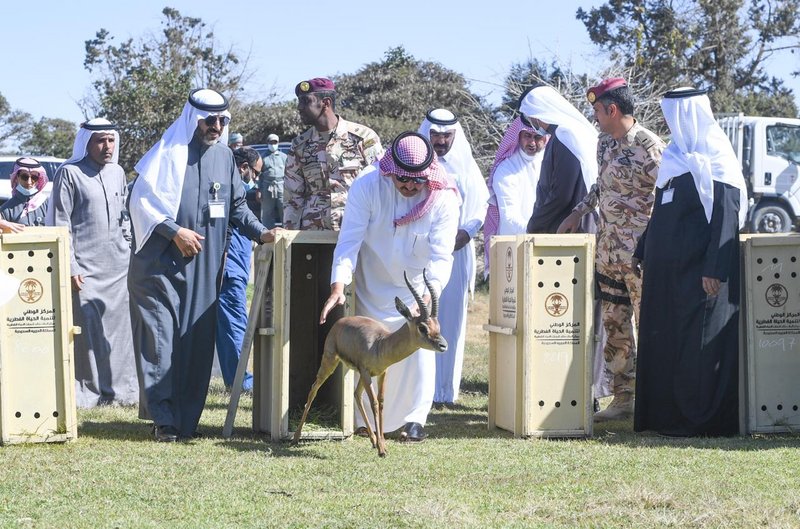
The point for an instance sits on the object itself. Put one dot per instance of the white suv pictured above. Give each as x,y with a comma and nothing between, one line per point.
49,163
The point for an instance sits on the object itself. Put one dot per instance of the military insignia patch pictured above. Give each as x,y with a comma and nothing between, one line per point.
591,97
304,86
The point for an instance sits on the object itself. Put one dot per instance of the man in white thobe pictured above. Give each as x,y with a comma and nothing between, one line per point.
401,216
455,156
512,182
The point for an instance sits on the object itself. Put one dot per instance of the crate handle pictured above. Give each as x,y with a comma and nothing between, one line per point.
499,329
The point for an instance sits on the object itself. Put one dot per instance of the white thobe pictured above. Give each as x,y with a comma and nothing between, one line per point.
514,185
453,304
378,253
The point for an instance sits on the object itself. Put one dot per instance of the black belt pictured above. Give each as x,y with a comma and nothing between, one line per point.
605,280
611,298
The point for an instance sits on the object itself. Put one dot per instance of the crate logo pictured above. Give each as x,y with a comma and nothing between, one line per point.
776,295
556,304
509,265
30,290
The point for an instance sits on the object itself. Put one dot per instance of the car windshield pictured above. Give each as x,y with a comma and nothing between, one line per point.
784,140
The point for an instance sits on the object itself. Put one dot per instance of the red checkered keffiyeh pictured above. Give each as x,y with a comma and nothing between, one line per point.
508,146
32,166
415,151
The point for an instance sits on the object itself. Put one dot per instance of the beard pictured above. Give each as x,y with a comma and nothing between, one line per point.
207,138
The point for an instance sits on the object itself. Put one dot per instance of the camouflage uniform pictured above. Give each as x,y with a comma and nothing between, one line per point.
319,172
628,168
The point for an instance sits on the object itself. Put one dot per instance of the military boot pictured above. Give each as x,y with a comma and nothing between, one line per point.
621,407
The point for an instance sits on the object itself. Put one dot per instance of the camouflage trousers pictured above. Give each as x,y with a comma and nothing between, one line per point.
620,292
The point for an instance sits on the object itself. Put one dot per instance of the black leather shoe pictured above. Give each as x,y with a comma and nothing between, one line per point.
413,432
165,434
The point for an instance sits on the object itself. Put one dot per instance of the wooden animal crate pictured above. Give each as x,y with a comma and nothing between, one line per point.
37,379
770,334
541,336
289,340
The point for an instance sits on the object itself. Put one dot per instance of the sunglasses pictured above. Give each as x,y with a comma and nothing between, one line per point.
223,120
416,179
255,171
27,177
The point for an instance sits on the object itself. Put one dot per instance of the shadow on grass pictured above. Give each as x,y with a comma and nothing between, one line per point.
463,422
116,430
280,449
242,439
621,433
472,385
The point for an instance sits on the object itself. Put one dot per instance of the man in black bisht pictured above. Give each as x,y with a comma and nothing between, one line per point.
187,191
687,372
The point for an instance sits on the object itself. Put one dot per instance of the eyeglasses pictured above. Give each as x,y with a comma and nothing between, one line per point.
26,177
256,172
223,120
416,179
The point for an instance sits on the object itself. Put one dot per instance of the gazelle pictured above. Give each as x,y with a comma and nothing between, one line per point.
367,346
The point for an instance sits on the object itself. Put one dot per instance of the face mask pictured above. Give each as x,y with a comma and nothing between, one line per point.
249,185
272,147
25,191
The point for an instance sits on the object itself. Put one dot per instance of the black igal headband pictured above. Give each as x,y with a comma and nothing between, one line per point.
408,167
27,165
436,121
678,94
205,106
94,128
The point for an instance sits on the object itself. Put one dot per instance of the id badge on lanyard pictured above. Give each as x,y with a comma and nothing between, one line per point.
216,206
666,195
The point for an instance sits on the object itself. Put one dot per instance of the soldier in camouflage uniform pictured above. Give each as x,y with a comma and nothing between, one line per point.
324,160
628,157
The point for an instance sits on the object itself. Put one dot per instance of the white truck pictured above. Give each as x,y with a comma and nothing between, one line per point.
769,150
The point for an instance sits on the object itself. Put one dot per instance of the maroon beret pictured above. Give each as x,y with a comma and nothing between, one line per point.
605,85
317,84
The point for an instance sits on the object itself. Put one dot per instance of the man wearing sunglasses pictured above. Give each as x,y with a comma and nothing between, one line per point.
324,160
187,191
28,204
88,197
401,216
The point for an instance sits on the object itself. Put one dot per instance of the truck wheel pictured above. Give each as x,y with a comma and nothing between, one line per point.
771,218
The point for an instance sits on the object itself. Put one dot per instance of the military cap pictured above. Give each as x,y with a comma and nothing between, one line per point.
606,85
317,84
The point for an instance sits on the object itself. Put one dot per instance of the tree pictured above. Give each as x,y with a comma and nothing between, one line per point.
143,84
258,119
393,95
724,44
573,86
50,136
530,72
13,124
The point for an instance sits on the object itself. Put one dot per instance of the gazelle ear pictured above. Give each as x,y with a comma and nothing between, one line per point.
402,309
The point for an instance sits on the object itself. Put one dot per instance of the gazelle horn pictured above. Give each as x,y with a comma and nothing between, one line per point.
423,309
434,297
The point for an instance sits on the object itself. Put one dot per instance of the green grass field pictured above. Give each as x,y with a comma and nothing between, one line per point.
463,476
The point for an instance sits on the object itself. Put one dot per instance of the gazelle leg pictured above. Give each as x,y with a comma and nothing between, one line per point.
381,392
360,404
329,363
366,383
